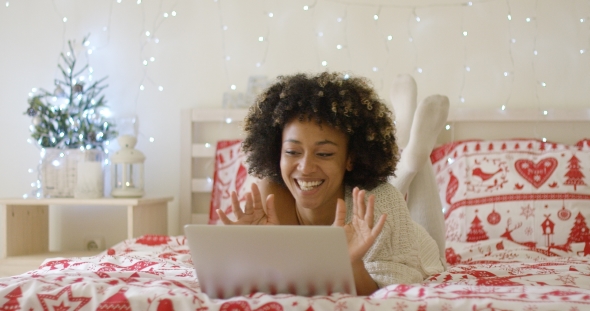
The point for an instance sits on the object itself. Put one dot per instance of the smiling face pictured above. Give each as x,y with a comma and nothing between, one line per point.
313,162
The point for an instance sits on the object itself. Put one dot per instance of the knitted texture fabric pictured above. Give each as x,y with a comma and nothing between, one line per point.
404,252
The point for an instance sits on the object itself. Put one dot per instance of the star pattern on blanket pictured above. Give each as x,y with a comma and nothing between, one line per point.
567,279
62,302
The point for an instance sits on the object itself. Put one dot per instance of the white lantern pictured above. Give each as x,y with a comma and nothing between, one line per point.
127,169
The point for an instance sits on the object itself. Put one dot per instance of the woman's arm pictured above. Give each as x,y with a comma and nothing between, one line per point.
364,283
361,233
394,257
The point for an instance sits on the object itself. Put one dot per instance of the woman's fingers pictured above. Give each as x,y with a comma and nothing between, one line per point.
362,208
355,192
340,218
257,198
236,205
363,230
271,213
224,219
248,208
253,212
370,211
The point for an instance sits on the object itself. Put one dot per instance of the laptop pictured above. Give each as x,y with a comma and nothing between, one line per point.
241,260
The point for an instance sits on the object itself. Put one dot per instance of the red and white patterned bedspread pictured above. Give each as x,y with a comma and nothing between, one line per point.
156,273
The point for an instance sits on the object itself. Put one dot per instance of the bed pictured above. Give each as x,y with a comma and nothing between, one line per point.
516,213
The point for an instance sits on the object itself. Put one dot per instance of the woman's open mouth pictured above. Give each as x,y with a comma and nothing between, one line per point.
308,185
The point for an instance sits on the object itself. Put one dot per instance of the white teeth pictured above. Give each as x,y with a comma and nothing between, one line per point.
308,185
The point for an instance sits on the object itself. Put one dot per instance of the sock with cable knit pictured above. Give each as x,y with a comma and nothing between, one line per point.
425,206
429,119
414,175
403,95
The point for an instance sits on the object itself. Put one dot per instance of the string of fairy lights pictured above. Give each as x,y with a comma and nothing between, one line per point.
510,52
151,42
533,66
466,66
265,38
226,57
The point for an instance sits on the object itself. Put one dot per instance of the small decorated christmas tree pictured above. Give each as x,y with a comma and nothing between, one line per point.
580,231
12,304
476,232
71,116
574,175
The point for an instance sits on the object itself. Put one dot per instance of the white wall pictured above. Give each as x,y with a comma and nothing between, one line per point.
191,66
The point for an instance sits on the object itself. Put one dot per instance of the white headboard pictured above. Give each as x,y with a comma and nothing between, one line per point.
564,126
201,128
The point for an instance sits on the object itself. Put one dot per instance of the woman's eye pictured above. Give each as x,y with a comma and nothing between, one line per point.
290,152
324,155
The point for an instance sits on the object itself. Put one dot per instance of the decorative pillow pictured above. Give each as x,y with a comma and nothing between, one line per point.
230,174
526,191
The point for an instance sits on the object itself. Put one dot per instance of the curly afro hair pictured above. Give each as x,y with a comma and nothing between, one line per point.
348,104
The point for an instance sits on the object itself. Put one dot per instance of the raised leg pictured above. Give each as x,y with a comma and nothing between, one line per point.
429,119
418,127
425,206
403,99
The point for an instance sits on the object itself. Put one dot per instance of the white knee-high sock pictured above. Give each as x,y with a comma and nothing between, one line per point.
417,128
425,206
429,119
403,95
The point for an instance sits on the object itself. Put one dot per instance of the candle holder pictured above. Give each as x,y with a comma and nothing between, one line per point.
127,169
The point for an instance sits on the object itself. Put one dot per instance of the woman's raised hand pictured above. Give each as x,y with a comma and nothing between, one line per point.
360,232
254,213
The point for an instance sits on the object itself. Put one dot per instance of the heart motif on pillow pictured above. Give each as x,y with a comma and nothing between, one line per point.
536,173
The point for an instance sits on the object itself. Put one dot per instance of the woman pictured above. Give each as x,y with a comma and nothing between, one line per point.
315,141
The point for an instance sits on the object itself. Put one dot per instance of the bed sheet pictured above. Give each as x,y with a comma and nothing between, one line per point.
156,273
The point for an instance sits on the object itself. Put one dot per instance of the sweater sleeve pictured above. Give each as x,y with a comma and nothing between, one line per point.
395,257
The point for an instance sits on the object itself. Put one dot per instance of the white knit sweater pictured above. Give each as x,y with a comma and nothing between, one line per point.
404,252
